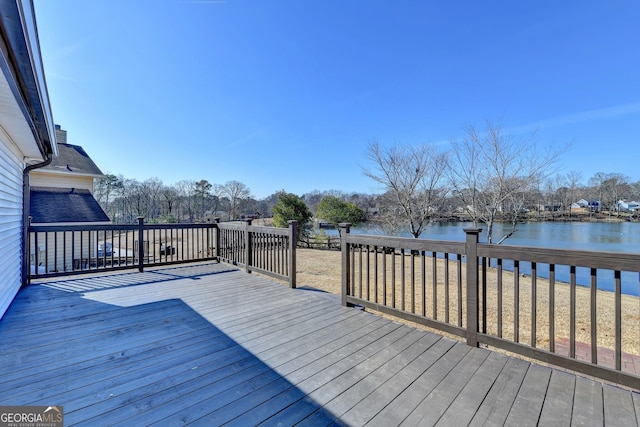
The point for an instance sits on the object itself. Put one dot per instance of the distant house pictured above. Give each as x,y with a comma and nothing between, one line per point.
62,194
589,205
548,208
27,137
624,206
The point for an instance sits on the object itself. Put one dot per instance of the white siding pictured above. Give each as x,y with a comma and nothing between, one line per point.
10,225
59,180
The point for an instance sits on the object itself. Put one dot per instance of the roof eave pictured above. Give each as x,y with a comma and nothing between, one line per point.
21,64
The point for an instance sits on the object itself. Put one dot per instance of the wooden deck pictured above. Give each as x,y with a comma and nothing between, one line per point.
210,345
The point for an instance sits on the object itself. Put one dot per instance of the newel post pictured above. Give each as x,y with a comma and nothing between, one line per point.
293,244
471,250
216,241
345,228
26,266
140,244
248,243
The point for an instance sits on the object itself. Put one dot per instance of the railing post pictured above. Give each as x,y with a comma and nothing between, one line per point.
216,221
26,270
471,251
345,228
140,244
293,243
247,246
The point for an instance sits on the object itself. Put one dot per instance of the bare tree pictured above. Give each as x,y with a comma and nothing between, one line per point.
411,176
150,195
616,186
574,178
169,197
596,182
203,192
187,190
634,190
492,172
235,192
104,188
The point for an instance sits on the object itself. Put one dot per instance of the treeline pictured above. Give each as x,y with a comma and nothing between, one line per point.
187,201
124,199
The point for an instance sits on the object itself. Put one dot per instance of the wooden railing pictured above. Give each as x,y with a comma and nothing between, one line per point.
60,250
524,300
266,250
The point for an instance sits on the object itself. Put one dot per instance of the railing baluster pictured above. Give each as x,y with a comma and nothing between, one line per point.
413,282
434,280
552,308
64,252
360,270
499,296
516,301
368,270
572,312
384,276
593,311
483,288
402,279
618,320
423,281
46,251
376,250
393,277
36,255
446,288
55,253
534,302
460,317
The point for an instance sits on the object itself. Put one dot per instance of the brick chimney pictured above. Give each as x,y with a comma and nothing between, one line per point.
61,135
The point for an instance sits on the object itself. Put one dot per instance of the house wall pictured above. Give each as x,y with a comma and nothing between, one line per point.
11,209
62,180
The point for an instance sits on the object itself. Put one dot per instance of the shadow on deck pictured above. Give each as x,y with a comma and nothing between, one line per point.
208,344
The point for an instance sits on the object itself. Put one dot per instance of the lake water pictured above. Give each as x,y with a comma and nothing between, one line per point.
591,236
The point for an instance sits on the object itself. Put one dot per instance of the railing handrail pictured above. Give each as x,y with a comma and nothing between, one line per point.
92,227
582,258
252,228
406,242
579,258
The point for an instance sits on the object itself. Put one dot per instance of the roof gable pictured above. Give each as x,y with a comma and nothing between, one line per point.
55,205
73,159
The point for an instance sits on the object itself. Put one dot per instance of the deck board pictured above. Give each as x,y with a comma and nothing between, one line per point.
435,404
557,408
207,344
588,403
618,406
461,411
495,408
527,405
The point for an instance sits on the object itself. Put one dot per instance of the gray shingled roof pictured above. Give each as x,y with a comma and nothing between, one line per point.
73,159
52,205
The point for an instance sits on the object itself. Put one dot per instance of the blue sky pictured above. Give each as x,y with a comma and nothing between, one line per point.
288,94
